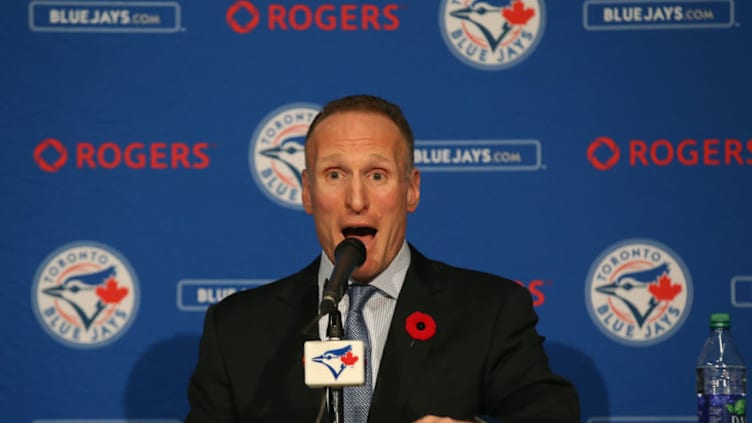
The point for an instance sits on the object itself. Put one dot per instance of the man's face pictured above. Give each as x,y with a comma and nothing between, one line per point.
358,183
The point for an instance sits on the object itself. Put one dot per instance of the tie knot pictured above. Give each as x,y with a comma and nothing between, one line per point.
359,294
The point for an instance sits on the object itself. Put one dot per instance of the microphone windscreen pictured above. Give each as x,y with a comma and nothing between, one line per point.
354,245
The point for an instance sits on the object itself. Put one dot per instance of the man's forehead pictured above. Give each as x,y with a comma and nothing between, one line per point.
338,156
349,118
322,140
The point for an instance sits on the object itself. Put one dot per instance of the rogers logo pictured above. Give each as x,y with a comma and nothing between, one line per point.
234,13
603,143
51,155
57,146
604,153
243,17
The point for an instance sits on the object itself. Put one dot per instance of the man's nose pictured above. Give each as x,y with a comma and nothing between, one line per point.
357,195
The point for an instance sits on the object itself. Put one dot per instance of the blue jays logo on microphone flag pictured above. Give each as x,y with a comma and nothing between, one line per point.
334,363
336,360
85,295
492,34
277,153
639,292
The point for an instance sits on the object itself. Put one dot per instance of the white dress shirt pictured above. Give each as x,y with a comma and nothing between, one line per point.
379,309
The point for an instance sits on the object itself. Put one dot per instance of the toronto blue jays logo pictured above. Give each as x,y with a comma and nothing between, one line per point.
85,294
337,360
492,34
639,292
277,153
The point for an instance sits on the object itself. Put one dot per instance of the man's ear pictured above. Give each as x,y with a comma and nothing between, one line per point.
413,190
306,196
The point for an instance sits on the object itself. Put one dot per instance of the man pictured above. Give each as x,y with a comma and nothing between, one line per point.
473,352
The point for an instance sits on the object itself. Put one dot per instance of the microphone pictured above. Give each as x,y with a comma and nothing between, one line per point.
348,256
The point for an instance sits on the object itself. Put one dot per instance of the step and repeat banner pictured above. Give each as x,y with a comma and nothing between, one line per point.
598,152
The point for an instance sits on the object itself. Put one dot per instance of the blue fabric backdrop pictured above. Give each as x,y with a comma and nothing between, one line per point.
151,154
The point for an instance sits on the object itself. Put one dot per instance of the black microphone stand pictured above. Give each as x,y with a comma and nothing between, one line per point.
334,331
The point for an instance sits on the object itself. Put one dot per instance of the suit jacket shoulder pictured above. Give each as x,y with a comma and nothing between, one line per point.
289,288
466,285
485,357
250,356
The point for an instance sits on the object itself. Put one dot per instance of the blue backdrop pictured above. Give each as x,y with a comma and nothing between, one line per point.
151,154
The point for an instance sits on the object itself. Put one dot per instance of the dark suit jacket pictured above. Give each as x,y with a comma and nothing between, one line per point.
486,357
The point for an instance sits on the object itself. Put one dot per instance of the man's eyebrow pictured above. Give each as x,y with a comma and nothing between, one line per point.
379,157
329,158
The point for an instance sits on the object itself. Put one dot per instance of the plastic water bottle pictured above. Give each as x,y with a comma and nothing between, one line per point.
721,376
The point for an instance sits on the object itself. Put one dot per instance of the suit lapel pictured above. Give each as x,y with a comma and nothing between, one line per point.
297,305
402,362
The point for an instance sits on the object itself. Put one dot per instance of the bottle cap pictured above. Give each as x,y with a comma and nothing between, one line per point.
720,320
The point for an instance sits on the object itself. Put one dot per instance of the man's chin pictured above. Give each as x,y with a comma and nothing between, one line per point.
364,275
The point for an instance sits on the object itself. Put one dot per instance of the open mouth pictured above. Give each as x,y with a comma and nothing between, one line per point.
359,232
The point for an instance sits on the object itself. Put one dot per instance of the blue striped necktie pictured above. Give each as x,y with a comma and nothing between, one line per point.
357,399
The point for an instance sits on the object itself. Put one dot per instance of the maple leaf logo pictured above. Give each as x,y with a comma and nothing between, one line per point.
111,293
518,14
349,359
664,290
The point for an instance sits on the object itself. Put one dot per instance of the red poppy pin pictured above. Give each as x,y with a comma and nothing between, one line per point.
420,326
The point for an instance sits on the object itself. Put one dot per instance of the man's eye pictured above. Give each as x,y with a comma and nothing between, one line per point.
377,176
333,175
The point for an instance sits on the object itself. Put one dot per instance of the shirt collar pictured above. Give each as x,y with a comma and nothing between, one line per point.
389,282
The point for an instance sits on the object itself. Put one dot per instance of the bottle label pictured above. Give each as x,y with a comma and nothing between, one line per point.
721,409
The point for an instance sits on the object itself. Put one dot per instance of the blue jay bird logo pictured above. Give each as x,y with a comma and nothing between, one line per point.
487,16
638,292
290,153
277,153
85,294
492,34
337,360
633,289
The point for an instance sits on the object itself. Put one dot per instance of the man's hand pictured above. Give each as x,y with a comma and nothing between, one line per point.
435,419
